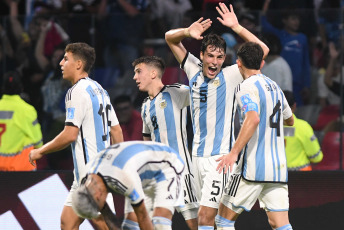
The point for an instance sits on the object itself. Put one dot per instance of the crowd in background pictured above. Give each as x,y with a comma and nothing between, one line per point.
33,35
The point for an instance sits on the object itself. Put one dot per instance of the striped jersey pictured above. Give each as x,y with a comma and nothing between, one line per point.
132,167
88,107
212,105
263,158
164,118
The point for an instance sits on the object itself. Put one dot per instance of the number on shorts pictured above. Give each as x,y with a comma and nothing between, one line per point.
215,186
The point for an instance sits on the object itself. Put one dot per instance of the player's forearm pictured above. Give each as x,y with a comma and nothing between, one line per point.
246,132
249,37
175,36
116,134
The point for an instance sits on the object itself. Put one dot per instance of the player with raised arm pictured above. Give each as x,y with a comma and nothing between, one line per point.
164,115
90,122
140,171
212,103
261,172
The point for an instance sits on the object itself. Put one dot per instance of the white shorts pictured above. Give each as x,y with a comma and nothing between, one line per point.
241,195
189,192
166,194
68,202
209,183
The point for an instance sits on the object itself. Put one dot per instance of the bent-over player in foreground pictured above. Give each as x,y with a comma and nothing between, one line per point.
261,172
139,170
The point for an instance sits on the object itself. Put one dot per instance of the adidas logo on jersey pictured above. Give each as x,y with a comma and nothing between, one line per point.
170,197
212,199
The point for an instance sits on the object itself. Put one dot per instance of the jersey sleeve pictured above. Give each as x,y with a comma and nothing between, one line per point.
191,65
183,96
234,74
287,113
112,117
145,128
76,107
247,98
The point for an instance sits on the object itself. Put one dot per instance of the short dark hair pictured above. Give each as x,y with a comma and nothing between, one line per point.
290,97
251,55
213,40
12,84
154,61
84,52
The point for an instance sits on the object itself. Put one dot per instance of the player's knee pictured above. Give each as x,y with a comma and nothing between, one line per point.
130,225
192,224
205,217
162,223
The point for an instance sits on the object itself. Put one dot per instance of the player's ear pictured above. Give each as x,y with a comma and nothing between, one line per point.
262,64
201,56
79,64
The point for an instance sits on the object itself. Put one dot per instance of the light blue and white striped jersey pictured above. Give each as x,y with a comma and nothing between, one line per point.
132,167
164,119
211,107
88,107
263,158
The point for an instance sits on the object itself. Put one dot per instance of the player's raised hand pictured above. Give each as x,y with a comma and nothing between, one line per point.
228,17
197,28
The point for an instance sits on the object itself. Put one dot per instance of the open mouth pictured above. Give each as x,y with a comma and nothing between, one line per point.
212,70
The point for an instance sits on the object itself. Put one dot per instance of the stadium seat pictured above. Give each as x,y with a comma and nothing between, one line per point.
174,75
326,115
308,113
330,147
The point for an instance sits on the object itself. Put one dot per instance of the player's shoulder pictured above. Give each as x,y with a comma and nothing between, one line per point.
232,72
176,87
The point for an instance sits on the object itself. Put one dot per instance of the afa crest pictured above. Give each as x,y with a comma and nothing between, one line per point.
163,104
216,82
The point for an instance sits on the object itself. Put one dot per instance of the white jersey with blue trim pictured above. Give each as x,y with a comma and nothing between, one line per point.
263,159
164,118
134,167
212,104
89,108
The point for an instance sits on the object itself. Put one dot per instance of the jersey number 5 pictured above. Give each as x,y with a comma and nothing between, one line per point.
277,112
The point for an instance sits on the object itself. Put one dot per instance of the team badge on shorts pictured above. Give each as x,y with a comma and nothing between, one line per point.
163,104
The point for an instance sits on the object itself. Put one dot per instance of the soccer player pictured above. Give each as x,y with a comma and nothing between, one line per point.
164,118
262,169
90,122
212,91
140,171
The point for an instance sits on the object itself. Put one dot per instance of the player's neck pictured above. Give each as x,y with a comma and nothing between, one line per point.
250,72
155,90
78,77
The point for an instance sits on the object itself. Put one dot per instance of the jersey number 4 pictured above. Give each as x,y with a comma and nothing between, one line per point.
277,112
